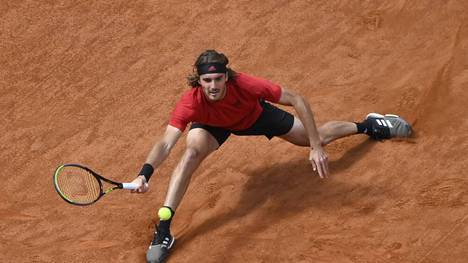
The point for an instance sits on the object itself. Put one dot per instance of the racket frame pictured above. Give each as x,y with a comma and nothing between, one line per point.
93,173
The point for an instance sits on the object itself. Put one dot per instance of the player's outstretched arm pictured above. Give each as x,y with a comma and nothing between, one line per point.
158,154
317,157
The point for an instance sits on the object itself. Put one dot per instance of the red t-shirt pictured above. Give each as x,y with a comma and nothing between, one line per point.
238,110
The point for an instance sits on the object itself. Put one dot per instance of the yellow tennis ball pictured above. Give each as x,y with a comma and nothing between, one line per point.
164,213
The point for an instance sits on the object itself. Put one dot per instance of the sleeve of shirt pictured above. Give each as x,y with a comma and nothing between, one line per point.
181,116
262,88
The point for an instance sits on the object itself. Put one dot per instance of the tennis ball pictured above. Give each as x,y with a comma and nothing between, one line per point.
164,213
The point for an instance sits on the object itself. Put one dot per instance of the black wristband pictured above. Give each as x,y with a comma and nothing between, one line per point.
147,171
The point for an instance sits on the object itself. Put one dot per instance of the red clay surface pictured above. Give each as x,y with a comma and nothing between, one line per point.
93,82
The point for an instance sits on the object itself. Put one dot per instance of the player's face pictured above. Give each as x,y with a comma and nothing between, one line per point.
214,85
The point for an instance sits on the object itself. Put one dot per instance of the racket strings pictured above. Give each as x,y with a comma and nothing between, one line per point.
78,185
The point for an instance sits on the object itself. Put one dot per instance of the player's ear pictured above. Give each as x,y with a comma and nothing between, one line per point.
227,76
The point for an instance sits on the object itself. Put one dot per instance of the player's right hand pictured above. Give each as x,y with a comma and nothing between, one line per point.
143,186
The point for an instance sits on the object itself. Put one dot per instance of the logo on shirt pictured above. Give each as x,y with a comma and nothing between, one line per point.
212,68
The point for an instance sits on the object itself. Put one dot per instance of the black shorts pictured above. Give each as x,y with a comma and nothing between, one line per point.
272,122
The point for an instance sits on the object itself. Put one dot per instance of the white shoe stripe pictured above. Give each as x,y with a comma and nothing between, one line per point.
378,121
389,123
172,243
382,122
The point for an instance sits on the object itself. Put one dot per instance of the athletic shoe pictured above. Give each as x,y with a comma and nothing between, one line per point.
387,126
159,248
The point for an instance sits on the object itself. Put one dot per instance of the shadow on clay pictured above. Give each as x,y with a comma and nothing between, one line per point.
293,185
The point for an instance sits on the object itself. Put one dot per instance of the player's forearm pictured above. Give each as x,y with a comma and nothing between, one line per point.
306,116
158,154
160,151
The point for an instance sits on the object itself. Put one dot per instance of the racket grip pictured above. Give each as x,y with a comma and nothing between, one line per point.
129,186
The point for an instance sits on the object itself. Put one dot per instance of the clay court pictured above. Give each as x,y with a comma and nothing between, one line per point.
94,82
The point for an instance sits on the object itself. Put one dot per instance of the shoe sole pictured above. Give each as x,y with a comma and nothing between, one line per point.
378,115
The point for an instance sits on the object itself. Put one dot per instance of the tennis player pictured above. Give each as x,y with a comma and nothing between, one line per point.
222,102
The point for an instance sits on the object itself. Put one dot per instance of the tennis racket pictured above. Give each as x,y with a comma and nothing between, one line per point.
79,185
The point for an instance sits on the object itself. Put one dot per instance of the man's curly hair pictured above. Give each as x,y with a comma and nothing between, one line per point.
208,56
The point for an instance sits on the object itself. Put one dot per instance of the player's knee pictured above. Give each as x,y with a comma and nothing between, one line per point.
193,153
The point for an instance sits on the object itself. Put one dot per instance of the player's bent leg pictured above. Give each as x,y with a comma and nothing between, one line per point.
328,132
200,143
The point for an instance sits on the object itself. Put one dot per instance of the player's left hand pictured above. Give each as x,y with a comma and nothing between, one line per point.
319,159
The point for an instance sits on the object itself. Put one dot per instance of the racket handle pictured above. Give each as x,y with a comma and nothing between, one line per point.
129,186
